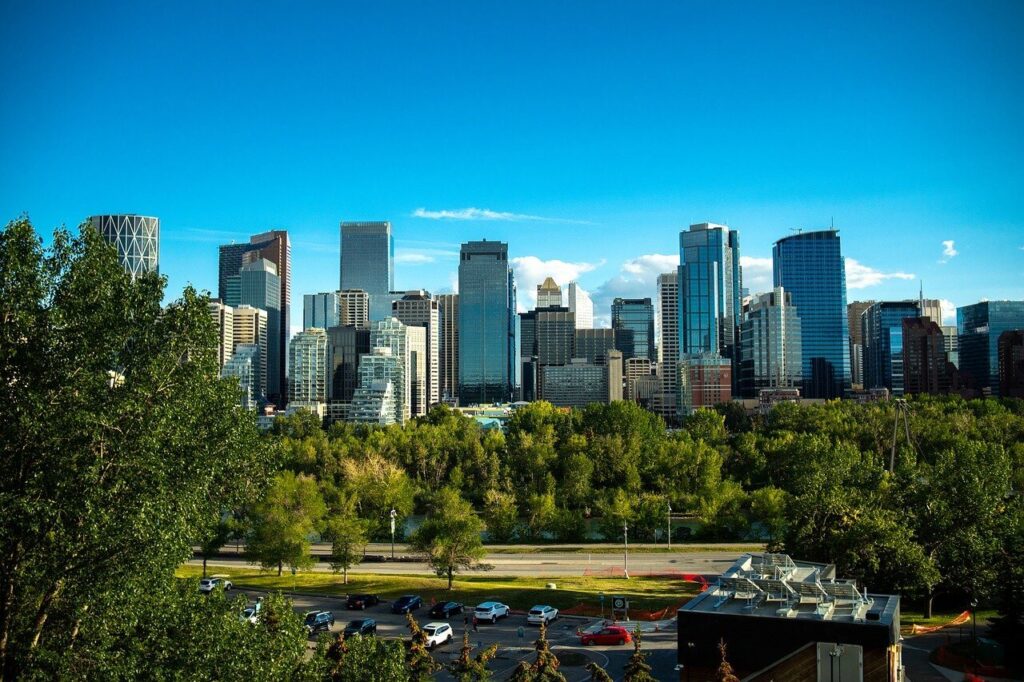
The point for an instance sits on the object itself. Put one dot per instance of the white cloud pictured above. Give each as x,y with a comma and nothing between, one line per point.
948,311
948,251
859,276
757,273
637,278
487,214
531,271
423,256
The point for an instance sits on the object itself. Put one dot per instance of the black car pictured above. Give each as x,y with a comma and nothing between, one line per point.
319,620
361,601
446,609
407,603
363,626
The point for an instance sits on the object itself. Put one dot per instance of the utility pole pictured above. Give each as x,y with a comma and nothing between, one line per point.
625,549
669,529
393,515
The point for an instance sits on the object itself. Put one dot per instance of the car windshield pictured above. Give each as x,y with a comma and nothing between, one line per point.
311,617
430,631
484,608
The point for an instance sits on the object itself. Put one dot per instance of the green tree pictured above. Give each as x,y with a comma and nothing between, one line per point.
120,442
637,668
597,673
348,540
768,507
215,537
501,515
469,668
418,661
544,668
284,520
450,536
364,659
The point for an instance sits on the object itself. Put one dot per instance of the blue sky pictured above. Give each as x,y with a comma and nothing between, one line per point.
592,131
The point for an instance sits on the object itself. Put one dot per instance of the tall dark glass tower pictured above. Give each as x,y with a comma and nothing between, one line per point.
633,322
709,290
810,266
979,327
487,324
882,331
367,263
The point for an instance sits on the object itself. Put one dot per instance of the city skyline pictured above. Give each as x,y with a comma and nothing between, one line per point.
866,118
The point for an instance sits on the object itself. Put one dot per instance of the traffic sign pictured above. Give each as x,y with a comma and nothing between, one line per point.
619,603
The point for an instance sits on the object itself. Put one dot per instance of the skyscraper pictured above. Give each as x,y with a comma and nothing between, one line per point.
367,263
487,324
709,290
260,286
375,402
275,247
853,318
354,308
244,365
633,322
978,329
223,317
809,265
667,403
345,345
417,309
548,294
595,344
770,354
250,328
1010,347
556,336
883,343
448,339
925,368
136,237
307,360
408,345
578,301
321,310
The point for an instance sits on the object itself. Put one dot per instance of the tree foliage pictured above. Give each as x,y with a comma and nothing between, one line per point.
284,520
450,536
470,668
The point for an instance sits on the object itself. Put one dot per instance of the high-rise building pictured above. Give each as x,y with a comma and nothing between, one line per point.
952,342
354,308
578,301
637,373
925,368
367,263
244,365
978,329
260,286
667,404
549,294
1011,364
709,290
321,310
853,319
448,342
275,247
251,328
809,265
408,345
345,345
930,308
223,317
615,372
136,238
380,375
487,326
770,338
883,343
556,336
633,322
417,309
307,361
576,384
594,344
704,381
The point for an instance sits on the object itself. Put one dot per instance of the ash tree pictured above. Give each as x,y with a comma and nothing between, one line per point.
119,443
450,536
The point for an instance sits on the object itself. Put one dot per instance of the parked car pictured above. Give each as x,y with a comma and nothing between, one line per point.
407,603
207,585
362,626
319,620
250,614
491,611
437,634
609,634
541,615
361,601
446,609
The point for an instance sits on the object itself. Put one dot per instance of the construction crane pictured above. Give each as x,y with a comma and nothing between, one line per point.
902,411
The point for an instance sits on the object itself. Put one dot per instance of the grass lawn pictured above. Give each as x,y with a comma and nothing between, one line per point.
644,594
605,549
908,618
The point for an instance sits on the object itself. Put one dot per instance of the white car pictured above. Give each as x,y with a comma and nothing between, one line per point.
208,585
490,611
437,634
541,615
251,614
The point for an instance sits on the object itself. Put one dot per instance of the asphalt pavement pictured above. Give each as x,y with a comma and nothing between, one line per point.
514,636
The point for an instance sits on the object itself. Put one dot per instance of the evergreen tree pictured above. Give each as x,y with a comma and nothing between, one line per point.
637,667
420,663
724,672
469,668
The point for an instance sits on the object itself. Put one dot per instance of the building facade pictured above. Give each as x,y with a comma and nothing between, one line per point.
408,345
809,265
345,346
354,308
633,322
223,318
448,344
576,384
259,285
978,329
244,365
308,377
594,344
549,294
1011,364
418,309
667,404
136,238
883,343
854,311
579,302
709,290
704,381
555,336
367,263
925,367
770,355
250,327
321,310
375,400
488,356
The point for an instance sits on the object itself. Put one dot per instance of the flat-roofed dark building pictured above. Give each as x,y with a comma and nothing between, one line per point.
1011,364
594,344
345,345
925,366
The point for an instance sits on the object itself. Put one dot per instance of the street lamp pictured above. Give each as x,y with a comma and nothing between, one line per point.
669,528
974,631
625,549
836,652
393,515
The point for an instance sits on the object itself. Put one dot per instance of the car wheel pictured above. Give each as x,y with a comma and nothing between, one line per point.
621,642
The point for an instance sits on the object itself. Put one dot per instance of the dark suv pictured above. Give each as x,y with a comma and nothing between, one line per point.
317,621
407,603
361,601
363,626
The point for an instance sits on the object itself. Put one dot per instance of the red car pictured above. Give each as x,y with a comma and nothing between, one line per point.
609,634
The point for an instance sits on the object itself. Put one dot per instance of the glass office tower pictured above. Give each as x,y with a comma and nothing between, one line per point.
882,331
709,290
633,322
488,352
136,238
810,266
978,330
260,287
367,263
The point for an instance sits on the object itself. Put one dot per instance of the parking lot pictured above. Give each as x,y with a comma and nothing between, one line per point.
513,634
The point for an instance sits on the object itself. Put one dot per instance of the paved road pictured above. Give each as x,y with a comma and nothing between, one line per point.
546,564
661,646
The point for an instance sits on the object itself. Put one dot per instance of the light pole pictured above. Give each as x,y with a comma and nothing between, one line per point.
625,549
974,631
669,528
393,515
